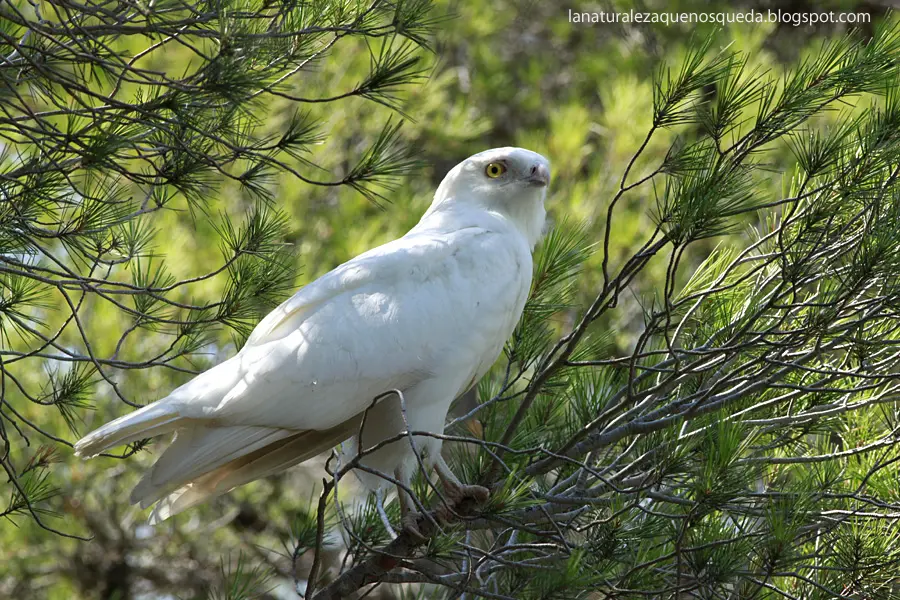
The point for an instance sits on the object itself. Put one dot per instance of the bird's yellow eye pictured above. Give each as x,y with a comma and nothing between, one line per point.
495,170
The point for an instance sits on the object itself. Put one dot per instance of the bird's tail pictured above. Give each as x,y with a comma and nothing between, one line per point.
191,479
178,409
152,420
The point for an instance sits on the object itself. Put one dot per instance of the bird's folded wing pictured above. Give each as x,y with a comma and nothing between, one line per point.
386,320
378,264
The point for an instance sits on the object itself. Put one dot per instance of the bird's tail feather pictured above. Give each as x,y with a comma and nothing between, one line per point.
262,462
152,420
198,451
165,415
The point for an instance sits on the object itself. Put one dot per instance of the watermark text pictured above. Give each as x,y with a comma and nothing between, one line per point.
796,19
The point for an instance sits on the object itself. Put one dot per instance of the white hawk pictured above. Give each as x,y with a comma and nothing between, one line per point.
426,314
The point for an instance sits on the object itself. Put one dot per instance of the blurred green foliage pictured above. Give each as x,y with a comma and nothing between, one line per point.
505,72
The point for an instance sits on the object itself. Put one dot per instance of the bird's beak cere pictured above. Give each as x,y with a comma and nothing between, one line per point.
539,176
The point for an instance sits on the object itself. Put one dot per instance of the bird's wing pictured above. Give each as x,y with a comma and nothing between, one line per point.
388,319
290,313
378,264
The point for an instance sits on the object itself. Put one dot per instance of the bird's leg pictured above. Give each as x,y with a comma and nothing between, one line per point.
406,502
455,493
455,490
409,515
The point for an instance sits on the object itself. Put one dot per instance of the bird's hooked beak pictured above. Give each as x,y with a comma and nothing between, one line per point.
539,175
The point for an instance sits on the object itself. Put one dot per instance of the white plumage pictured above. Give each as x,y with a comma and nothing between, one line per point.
426,314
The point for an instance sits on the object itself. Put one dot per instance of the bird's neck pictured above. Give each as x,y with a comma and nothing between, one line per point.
526,217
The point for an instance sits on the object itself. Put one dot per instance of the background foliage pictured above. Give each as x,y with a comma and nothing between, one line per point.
501,73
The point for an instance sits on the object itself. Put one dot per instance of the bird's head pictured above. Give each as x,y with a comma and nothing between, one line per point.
509,181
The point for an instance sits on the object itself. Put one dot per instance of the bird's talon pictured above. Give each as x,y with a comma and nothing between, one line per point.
410,524
476,493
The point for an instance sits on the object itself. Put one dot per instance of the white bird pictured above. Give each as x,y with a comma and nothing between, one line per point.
426,314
